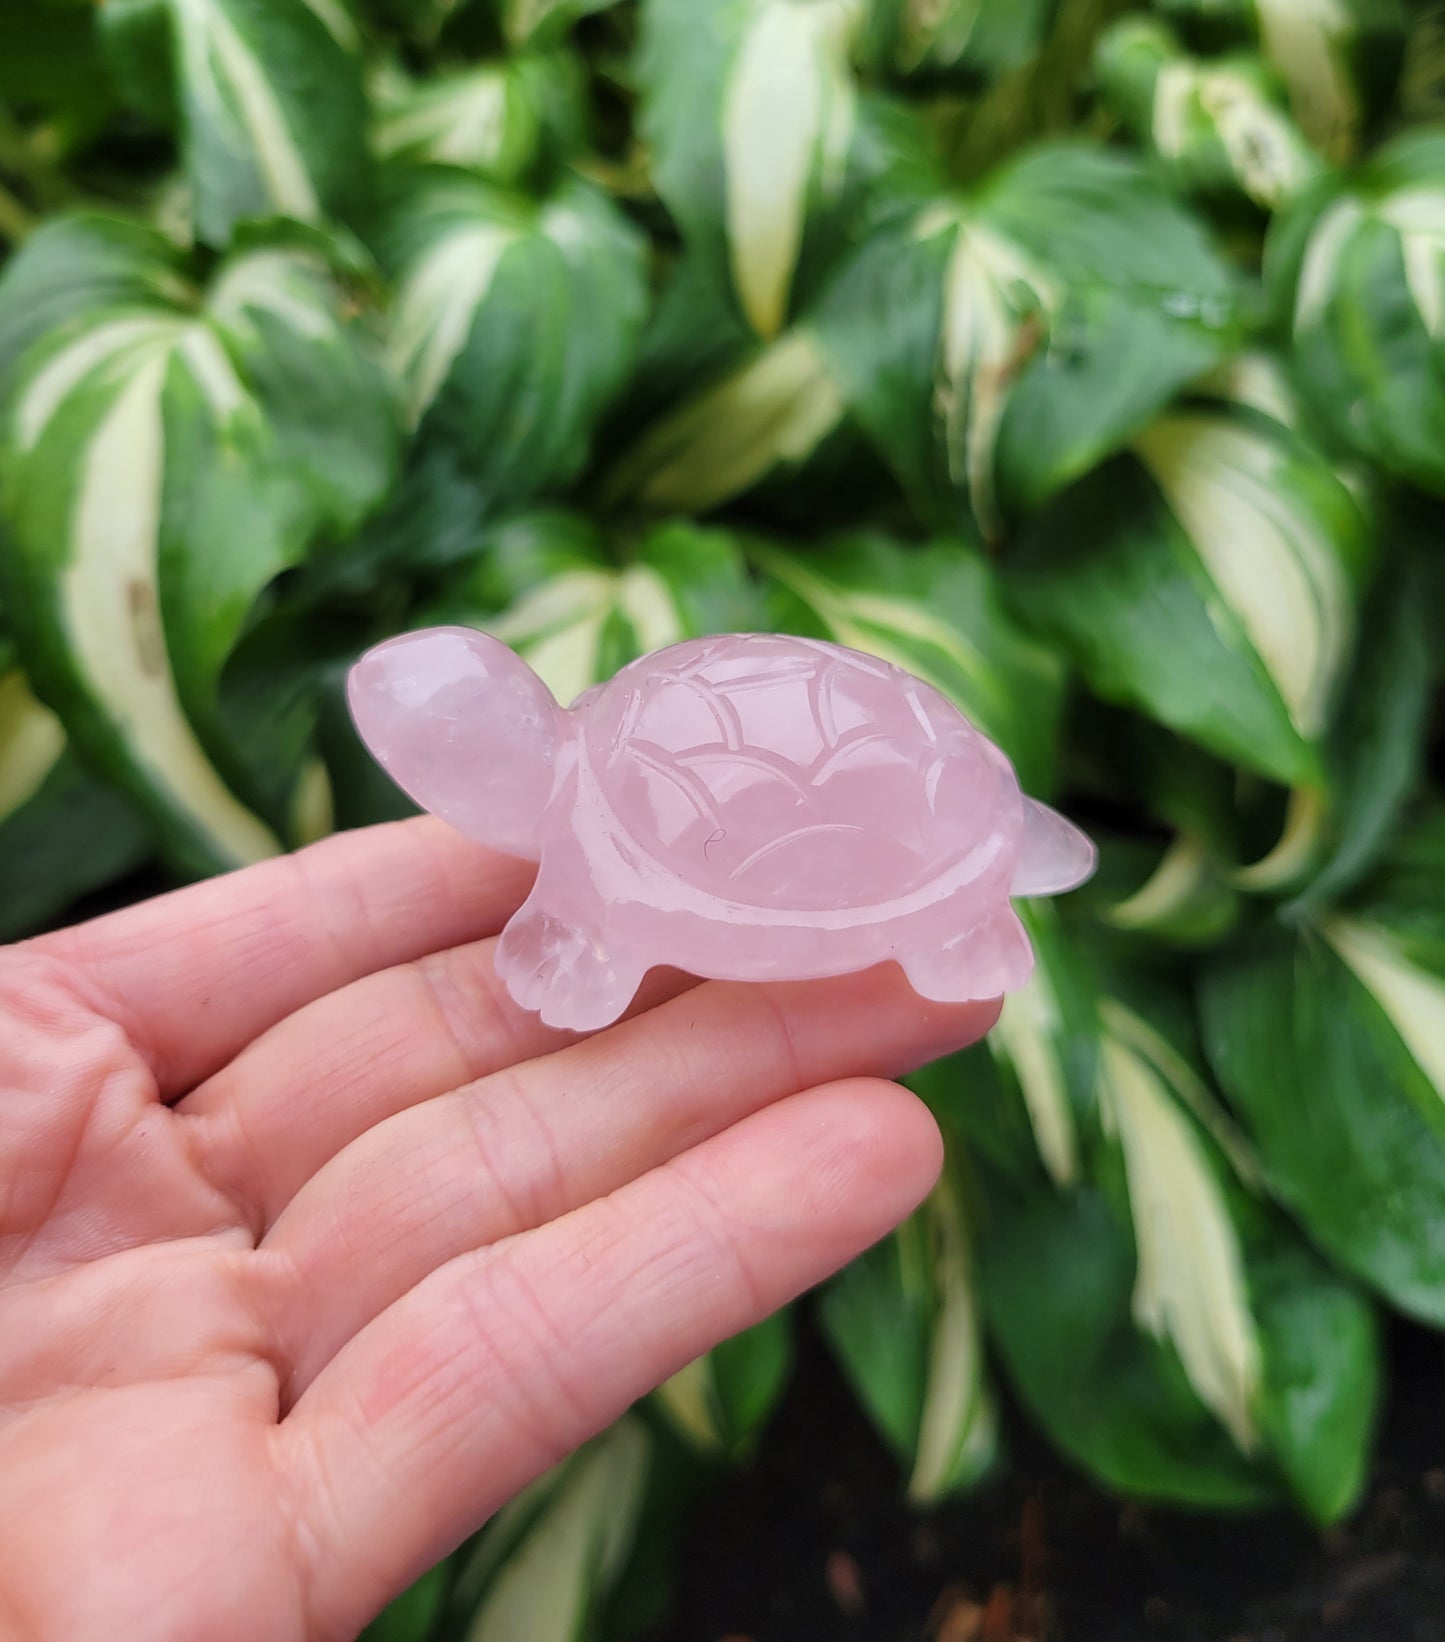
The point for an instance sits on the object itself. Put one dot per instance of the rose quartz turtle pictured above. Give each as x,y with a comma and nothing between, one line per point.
746,807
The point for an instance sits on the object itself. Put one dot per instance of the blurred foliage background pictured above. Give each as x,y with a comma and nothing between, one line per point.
1085,358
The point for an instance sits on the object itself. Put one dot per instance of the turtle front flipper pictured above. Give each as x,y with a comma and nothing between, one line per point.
563,970
465,728
1054,855
986,961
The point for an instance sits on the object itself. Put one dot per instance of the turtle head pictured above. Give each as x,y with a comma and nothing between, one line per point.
465,728
1054,855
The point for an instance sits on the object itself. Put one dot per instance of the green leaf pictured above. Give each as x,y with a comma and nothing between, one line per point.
1209,579
161,464
997,345
937,613
497,118
1184,899
62,833
965,40
1330,1042
1046,1047
1323,1371
51,65
541,1569
1176,1309
720,1402
1339,60
576,617
514,325
903,1323
1357,271
527,20
1218,127
82,264
1376,749
412,1617
1057,1274
768,418
271,108
749,112
136,35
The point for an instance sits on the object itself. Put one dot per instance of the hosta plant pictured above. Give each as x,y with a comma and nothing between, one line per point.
1086,359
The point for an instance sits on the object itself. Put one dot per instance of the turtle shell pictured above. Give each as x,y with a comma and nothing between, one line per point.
779,771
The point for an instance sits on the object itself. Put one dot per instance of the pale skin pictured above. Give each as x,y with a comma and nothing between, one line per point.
314,1249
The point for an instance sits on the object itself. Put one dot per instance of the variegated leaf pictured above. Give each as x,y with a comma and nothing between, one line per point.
269,101
720,1402
513,325
904,1326
576,616
750,113
1183,1329
62,833
544,1564
1357,271
1218,126
1338,58
767,417
1210,579
1331,1044
1190,1286
161,464
999,344
495,118
957,39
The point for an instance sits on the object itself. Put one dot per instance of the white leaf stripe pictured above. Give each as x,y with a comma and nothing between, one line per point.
337,21
213,373
458,121
32,740
1412,998
110,614
777,409
1263,548
103,562
1027,1035
1183,870
115,342
1317,279
1304,39
547,1583
438,304
992,291
560,626
1418,216
689,1400
787,117
232,87
957,1430
290,285
1191,1285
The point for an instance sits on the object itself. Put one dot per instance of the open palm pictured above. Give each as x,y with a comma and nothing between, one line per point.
314,1249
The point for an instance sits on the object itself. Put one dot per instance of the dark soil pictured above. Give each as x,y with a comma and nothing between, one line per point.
811,1543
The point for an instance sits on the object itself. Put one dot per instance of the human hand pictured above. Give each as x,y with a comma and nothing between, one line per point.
314,1249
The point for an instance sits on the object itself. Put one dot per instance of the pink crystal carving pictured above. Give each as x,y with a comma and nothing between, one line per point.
748,807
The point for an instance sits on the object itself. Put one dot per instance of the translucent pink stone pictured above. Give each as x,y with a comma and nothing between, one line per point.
749,807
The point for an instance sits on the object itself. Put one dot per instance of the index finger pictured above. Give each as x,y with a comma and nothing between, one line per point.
194,976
